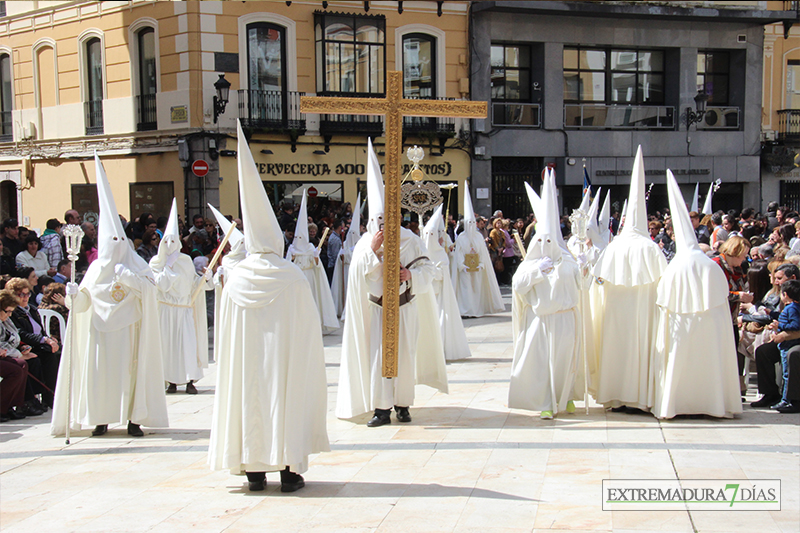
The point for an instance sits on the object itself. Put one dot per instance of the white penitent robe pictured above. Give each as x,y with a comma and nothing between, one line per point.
547,341
116,360
184,334
454,338
271,396
420,352
477,292
318,281
339,280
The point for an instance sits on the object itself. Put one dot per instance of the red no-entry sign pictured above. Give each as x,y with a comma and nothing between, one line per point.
312,192
200,168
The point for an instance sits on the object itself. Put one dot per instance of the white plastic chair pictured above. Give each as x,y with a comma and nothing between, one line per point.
46,315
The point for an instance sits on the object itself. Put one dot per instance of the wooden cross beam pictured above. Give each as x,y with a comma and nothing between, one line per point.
394,107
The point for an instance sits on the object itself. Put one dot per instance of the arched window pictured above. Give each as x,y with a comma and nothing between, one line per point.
419,65
6,99
266,95
94,86
148,80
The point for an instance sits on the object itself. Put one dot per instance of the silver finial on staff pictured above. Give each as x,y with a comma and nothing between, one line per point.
73,235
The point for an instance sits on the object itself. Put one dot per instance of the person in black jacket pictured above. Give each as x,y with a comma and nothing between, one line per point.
26,318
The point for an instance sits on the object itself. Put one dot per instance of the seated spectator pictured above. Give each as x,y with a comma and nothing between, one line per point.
149,247
14,374
31,257
29,325
64,272
54,299
14,348
10,237
28,274
654,227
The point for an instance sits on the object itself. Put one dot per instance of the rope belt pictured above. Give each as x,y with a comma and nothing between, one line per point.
176,305
405,297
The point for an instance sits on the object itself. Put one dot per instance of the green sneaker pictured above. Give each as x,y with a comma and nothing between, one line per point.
547,415
570,407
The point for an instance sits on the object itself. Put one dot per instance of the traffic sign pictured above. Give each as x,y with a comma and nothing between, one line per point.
200,168
312,192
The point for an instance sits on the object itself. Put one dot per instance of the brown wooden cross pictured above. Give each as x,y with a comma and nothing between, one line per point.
394,107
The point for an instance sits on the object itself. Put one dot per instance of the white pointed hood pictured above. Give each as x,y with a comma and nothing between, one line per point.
113,248
695,198
592,227
636,215
534,199
170,244
632,258
586,201
431,233
374,191
545,243
354,231
604,224
692,282
225,225
301,245
553,207
263,235
707,209
470,226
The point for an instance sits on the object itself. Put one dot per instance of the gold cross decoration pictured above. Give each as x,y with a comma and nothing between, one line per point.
394,107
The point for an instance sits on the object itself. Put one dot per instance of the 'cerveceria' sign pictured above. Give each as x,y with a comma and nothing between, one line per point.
342,169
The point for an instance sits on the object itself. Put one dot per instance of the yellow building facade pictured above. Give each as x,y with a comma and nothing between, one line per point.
134,81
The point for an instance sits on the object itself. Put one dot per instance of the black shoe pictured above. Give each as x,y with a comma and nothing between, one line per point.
190,388
30,409
379,420
4,418
135,430
15,413
256,481
780,405
172,389
100,430
39,405
402,414
290,481
766,401
792,408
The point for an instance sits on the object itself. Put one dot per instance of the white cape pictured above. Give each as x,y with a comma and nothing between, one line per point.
117,374
546,324
477,292
339,280
271,396
318,281
355,394
184,334
454,337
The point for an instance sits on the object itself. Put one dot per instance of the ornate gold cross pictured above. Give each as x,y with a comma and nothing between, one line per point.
394,107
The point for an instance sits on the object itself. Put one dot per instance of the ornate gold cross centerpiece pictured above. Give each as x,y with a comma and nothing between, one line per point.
394,107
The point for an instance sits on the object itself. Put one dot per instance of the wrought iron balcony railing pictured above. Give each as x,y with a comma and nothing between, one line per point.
436,126
271,110
620,117
147,112
789,125
93,112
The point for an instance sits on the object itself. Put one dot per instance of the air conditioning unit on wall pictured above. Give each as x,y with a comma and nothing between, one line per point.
721,118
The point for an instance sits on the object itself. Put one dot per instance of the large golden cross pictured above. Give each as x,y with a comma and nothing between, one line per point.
394,107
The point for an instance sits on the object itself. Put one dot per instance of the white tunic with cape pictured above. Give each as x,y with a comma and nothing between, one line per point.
318,282
271,399
477,292
420,352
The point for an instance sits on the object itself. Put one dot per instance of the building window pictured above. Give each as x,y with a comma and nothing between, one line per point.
419,66
511,73
6,99
713,76
147,118
266,69
351,54
613,76
94,86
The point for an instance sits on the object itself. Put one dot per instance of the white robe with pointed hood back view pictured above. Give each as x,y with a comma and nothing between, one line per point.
306,256
271,398
477,292
627,275
420,355
184,334
454,337
342,268
696,372
115,359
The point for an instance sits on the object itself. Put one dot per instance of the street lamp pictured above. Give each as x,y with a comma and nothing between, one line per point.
700,104
222,86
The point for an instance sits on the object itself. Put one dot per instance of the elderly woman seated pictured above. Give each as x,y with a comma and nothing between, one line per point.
32,257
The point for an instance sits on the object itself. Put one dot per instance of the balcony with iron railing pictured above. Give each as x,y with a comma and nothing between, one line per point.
93,113
516,115
789,125
146,112
429,126
6,127
621,117
271,111
351,124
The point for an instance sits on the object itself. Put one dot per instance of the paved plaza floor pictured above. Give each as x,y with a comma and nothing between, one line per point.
465,463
